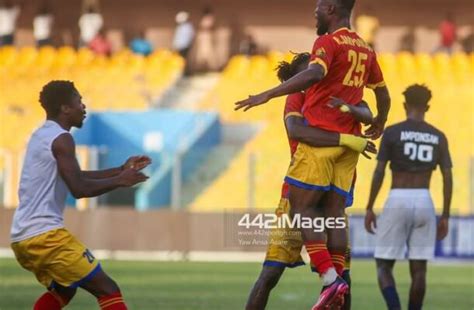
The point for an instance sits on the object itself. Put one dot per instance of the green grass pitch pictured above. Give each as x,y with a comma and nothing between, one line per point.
191,285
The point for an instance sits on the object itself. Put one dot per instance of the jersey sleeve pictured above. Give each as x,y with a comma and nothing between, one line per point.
445,157
294,105
375,78
385,147
323,52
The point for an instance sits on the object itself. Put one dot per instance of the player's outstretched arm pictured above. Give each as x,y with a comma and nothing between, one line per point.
361,111
377,180
316,137
64,151
382,97
134,162
443,224
299,82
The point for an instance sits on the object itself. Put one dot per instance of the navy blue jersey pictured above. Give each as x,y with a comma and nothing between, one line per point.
414,146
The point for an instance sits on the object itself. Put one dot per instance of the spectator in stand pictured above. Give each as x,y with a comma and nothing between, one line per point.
447,31
408,41
248,46
8,16
367,25
140,45
90,24
42,25
205,45
184,34
100,45
467,42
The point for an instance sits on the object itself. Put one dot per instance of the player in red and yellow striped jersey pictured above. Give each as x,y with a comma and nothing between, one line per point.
342,65
285,244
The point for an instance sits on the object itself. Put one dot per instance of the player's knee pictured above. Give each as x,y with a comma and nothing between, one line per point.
419,276
269,279
105,287
384,270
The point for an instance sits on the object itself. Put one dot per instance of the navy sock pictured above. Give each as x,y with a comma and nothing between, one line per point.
412,306
391,297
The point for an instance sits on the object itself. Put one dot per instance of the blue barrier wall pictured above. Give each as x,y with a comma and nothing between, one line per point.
122,134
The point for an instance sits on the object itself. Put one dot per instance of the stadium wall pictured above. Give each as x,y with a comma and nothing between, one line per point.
181,231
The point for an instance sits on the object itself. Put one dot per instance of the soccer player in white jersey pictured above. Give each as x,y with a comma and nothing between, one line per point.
40,241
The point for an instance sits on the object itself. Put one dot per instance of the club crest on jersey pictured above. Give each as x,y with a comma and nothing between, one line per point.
320,52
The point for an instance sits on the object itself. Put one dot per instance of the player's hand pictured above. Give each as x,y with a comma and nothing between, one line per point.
130,177
443,228
370,221
137,162
375,130
369,149
251,101
338,103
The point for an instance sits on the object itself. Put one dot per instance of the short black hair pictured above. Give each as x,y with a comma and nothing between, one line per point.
417,96
55,94
345,6
286,70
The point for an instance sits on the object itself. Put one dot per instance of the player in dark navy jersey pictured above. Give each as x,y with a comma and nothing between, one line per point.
407,225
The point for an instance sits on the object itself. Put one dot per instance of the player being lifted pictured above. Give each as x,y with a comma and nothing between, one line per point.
285,244
39,240
342,64
414,149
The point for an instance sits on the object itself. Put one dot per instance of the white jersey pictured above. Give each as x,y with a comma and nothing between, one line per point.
42,191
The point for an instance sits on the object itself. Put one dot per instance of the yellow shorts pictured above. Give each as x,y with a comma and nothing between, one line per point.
56,257
323,168
285,244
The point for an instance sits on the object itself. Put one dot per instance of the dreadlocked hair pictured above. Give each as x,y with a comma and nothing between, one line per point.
286,70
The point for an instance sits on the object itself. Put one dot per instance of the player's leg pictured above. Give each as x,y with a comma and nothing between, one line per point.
336,202
267,280
387,283
337,241
418,284
55,298
310,176
346,274
421,244
105,290
304,204
283,250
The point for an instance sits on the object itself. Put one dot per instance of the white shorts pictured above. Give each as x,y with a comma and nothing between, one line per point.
406,225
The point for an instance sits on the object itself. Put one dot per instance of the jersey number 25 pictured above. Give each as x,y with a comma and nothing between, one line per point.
355,75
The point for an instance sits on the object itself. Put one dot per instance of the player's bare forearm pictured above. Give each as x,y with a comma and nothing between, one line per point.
377,181
316,137
299,82
360,111
64,151
101,174
447,190
361,114
382,97
95,187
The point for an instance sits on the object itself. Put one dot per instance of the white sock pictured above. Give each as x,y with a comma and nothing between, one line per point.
329,276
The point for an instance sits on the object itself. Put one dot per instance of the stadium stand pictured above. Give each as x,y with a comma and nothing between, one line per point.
450,78
123,81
